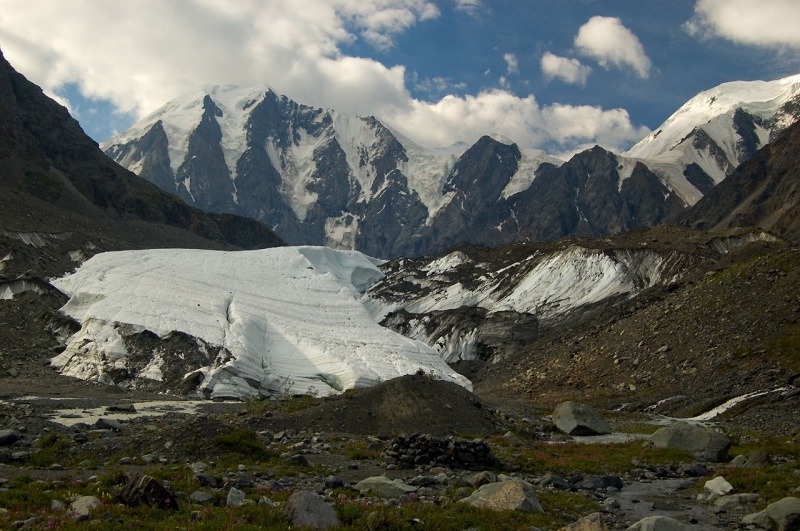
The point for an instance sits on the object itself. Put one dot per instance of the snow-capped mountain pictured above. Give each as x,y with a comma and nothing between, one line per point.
319,177
315,175
711,134
234,324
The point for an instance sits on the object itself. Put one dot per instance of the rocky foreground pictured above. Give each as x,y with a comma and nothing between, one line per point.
112,461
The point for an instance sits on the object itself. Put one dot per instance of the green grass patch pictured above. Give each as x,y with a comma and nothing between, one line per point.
453,516
244,443
52,448
563,458
772,483
360,451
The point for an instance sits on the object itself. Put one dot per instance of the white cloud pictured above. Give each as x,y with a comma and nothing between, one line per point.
559,127
139,55
470,6
512,65
567,70
610,43
769,23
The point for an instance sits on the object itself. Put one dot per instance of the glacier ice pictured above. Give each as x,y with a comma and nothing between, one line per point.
291,318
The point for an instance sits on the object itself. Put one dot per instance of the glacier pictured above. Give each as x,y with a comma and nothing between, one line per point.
288,319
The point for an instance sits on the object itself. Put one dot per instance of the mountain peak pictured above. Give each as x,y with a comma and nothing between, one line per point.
760,98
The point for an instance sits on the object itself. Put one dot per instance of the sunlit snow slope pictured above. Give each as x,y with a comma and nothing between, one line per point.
288,319
717,130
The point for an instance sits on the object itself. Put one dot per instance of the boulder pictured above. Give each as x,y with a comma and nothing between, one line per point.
717,487
511,495
774,515
104,423
81,507
145,490
482,478
384,487
579,419
9,437
550,480
202,498
235,498
659,523
306,509
705,444
726,503
592,522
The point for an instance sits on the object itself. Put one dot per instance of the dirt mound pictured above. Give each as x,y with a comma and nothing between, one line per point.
405,405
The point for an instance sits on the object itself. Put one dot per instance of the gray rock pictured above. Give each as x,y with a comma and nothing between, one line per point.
579,419
236,498
758,458
9,437
704,443
592,522
482,478
554,481
609,504
774,514
424,481
726,503
122,408
739,460
384,487
202,498
108,424
511,495
306,509
658,523
81,507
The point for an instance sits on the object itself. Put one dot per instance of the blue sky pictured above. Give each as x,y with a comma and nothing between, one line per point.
554,75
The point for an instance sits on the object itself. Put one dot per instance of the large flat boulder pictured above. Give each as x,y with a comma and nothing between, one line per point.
706,444
384,487
574,418
308,510
511,495
774,515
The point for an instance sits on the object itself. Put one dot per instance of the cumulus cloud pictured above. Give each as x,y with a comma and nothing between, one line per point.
555,127
610,43
140,55
567,70
768,23
512,65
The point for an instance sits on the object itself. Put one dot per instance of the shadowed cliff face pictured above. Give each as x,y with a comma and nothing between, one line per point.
762,192
54,178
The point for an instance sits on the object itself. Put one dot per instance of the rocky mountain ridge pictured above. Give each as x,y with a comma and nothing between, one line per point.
319,177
